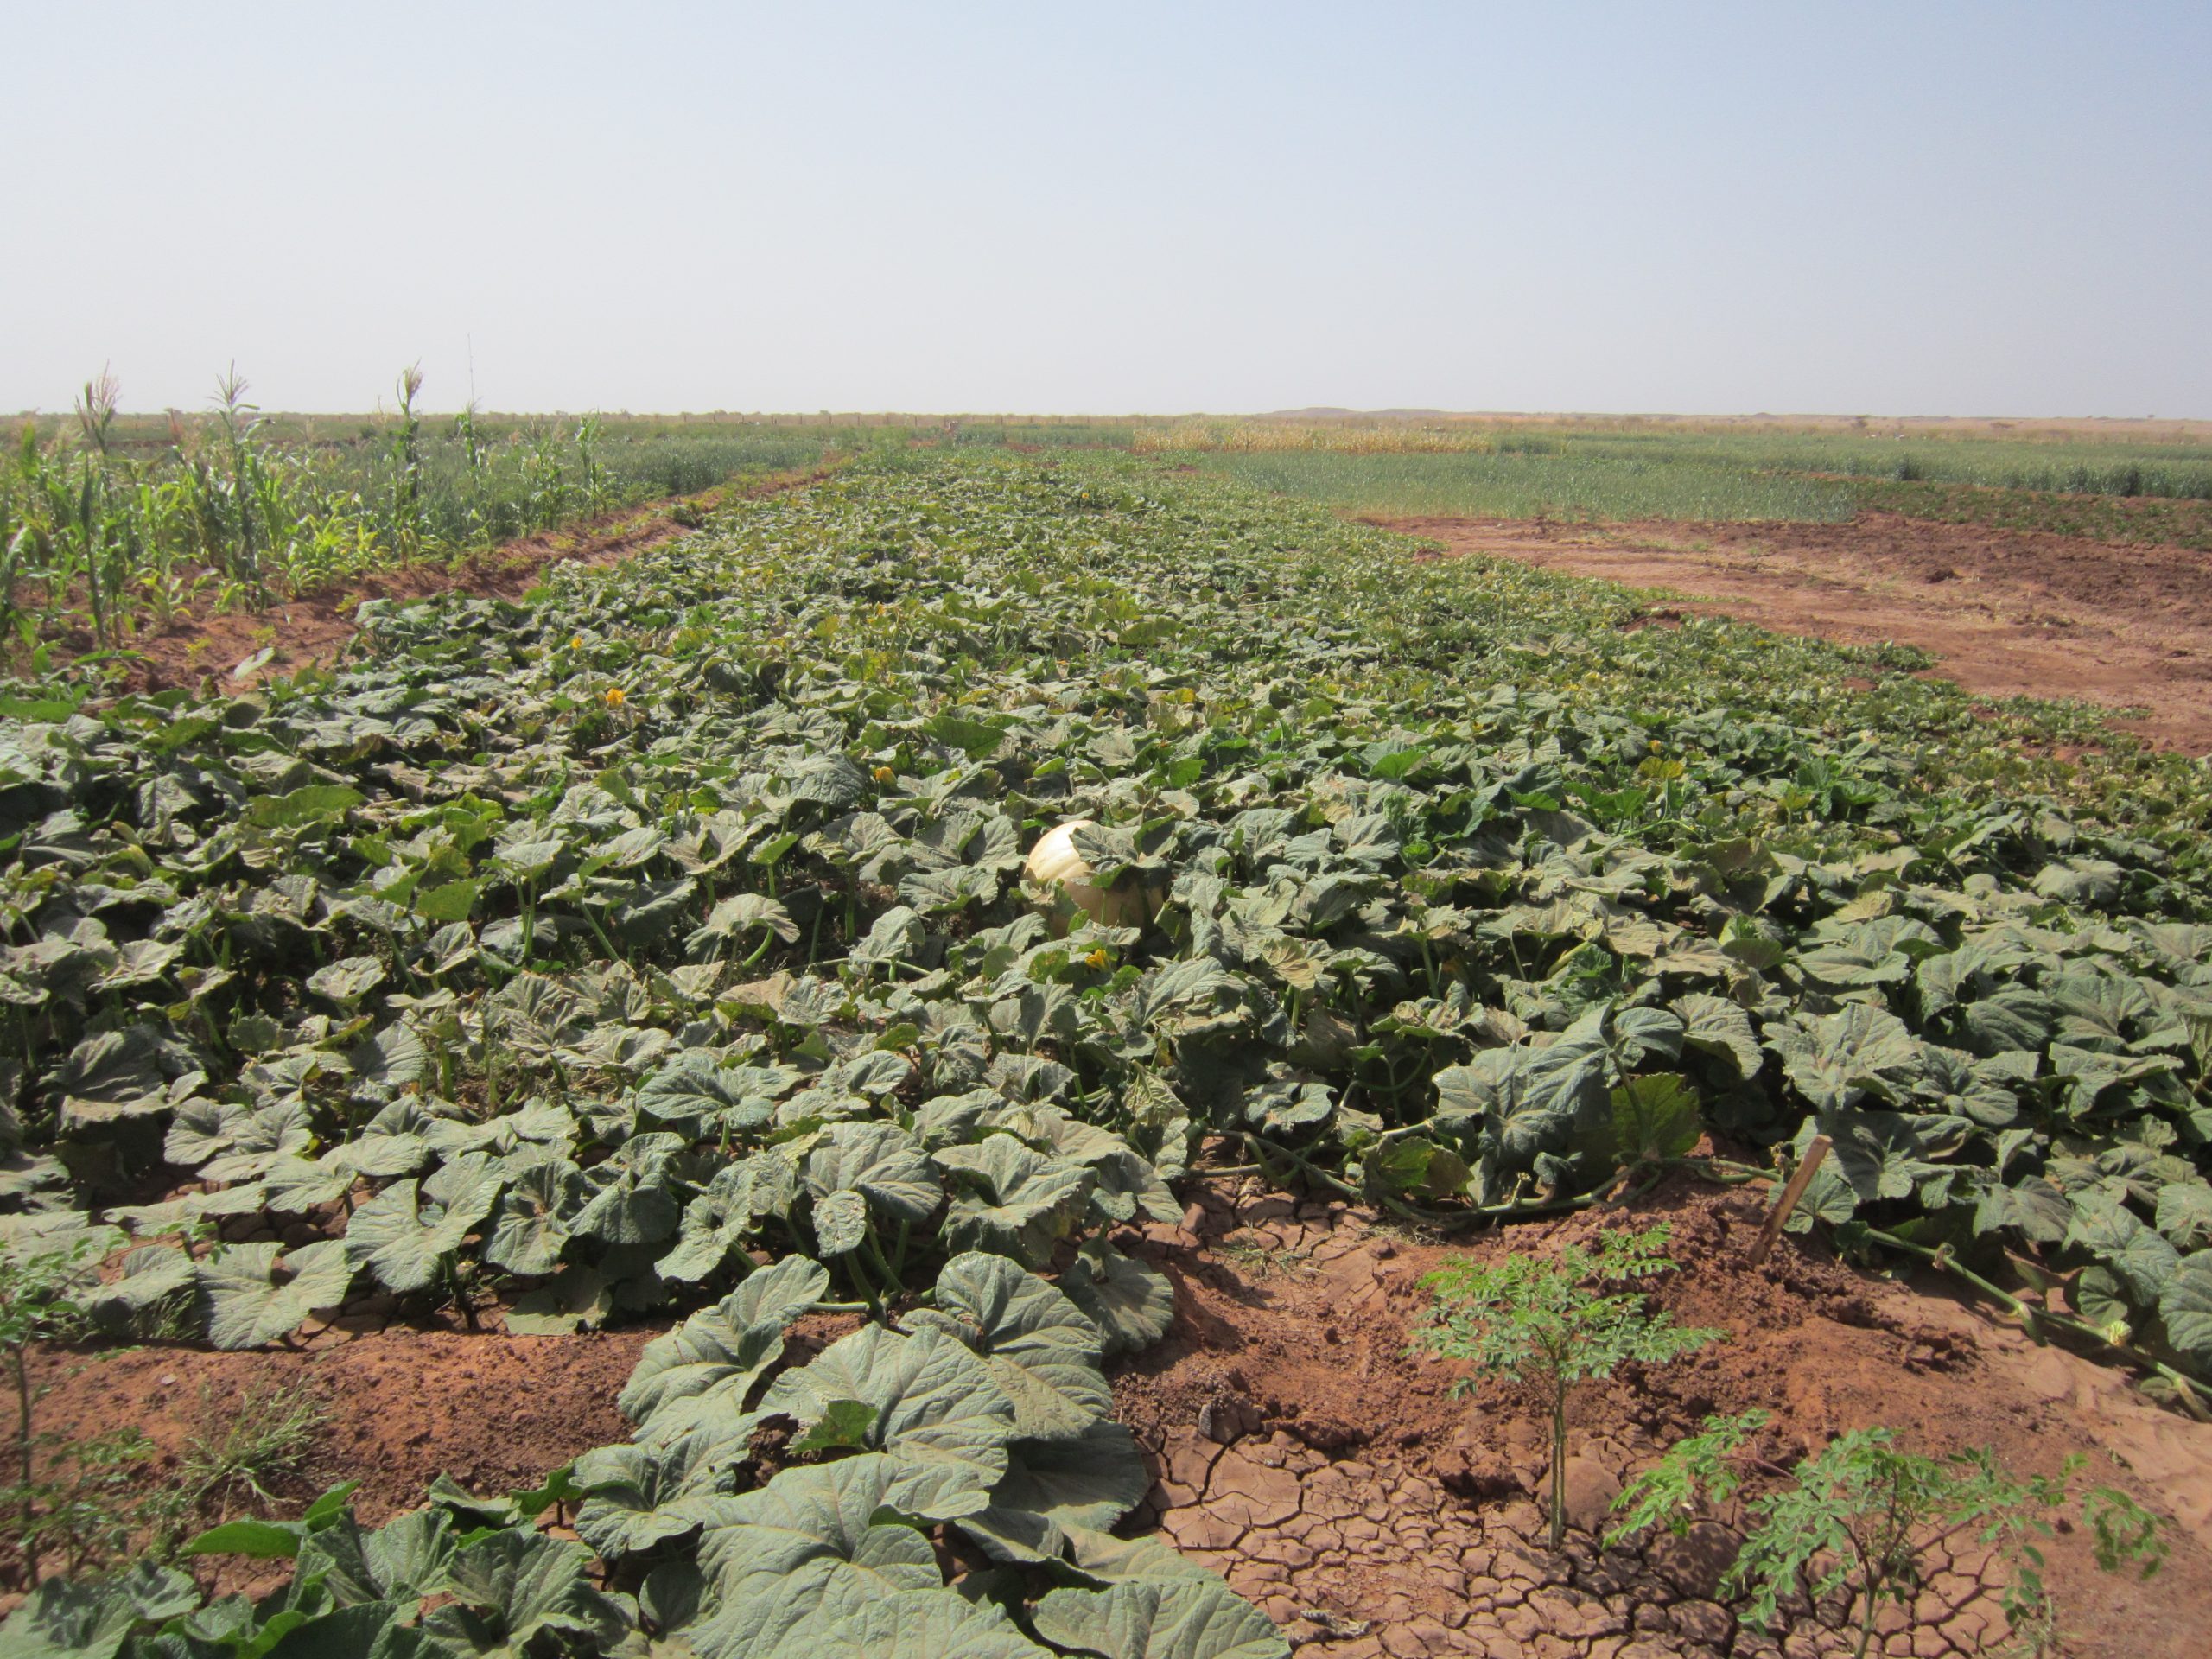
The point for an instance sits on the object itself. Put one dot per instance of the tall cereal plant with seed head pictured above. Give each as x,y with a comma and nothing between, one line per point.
407,465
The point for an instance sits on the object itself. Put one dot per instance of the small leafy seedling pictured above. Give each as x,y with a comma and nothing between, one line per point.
36,1307
1858,1520
1554,1323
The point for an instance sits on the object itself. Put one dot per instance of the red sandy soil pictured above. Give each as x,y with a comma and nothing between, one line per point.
401,1406
2007,613
1338,1482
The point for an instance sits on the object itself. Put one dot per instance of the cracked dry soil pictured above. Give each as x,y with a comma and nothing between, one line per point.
1297,1449
1339,1483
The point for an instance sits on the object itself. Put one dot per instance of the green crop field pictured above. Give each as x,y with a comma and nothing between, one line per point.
114,525
2117,489
1519,485
658,948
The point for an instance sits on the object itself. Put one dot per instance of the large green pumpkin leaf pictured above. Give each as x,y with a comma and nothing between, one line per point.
529,1229
812,1545
150,1276
2135,1253
1011,1200
2185,1305
1184,1619
716,1223
840,1222
695,1089
408,1240
1038,1345
1131,1302
631,1202
938,1623
641,1496
509,1588
63,1620
940,1418
312,804
293,1186
2038,1210
254,1294
740,914
1108,1558
1531,1099
577,1299
2099,1297
2184,1214
1837,1060
880,1161
347,980
706,1367
368,1630
400,1562
1053,1489
898,935
1885,1154
1654,1118
1718,1027
113,1075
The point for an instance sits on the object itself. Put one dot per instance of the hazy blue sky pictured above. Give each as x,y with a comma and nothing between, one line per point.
1913,208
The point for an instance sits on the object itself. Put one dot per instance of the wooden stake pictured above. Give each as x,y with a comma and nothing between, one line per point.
1764,1243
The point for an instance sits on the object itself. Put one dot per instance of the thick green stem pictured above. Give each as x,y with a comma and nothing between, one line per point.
1866,1624
491,1067
889,1274
2191,1389
1558,1464
23,1453
858,1274
1263,1149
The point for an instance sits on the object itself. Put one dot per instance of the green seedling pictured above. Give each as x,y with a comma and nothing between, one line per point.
36,1307
1857,1520
1554,1322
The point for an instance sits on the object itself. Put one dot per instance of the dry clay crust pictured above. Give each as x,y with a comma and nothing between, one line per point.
1338,1482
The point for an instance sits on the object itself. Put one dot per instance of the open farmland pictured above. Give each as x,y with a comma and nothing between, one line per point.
2001,613
2058,560
596,1052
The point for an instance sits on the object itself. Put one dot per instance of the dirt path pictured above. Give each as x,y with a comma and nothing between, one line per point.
2007,612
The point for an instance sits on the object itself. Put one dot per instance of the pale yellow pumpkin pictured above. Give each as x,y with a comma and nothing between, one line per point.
1070,885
